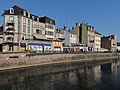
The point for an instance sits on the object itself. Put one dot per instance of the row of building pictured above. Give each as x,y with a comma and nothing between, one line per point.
22,30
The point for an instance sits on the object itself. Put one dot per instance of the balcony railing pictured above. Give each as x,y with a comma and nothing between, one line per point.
91,41
9,40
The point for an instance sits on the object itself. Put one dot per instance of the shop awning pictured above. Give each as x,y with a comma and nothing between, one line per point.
39,44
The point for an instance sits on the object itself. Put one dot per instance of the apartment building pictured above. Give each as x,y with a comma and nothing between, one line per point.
1,38
97,42
118,46
73,39
87,35
58,42
109,42
26,31
91,37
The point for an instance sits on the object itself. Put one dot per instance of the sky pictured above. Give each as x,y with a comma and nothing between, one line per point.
104,15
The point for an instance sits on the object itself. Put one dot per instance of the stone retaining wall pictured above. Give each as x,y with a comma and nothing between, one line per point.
23,60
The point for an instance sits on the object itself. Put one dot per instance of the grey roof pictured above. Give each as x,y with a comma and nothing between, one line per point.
97,33
19,11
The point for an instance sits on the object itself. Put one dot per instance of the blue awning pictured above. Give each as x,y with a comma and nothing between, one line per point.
39,44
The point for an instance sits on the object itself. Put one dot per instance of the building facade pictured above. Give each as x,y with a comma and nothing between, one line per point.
1,38
87,35
97,42
58,42
66,42
26,31
73,39
109,42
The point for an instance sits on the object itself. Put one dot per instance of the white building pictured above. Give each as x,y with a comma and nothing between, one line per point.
73,39
97,47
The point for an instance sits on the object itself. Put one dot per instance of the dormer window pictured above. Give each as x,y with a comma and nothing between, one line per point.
11,11
37,19
33,17
24,13
50,21
28,14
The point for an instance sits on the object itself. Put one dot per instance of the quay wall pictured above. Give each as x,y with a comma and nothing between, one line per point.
15,61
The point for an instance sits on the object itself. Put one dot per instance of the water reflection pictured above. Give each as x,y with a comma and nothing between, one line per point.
89,77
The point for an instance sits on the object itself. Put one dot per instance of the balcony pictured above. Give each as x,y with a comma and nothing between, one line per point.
9,31
91,41
9,41
9,22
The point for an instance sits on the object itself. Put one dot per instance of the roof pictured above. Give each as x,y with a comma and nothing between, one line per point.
46,19
97,33
19,11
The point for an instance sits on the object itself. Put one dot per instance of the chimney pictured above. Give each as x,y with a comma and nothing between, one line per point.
76,23
65,27
72,28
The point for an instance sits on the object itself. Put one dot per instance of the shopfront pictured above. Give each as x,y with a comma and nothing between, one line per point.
40,47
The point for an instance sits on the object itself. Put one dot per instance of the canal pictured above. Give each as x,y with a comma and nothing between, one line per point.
70,76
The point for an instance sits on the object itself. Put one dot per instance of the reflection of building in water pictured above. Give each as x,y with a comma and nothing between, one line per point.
89,76
114,69
97,74
110,67
73,78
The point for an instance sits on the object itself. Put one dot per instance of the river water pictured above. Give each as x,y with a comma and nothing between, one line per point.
100,76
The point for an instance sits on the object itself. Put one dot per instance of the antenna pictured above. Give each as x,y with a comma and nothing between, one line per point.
66,21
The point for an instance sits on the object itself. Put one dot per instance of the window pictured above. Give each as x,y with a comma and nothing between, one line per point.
28,14
49,26
24,21
49,33
24,29
40,31
11,11
50,21
37,19
45,26
33,17
37,31
28,30
28,22
11,18
24,13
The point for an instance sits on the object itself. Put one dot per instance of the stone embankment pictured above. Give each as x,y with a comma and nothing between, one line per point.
11,61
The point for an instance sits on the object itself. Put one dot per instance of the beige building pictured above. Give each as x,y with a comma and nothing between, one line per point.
87,35
58,42
26,31
91,38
